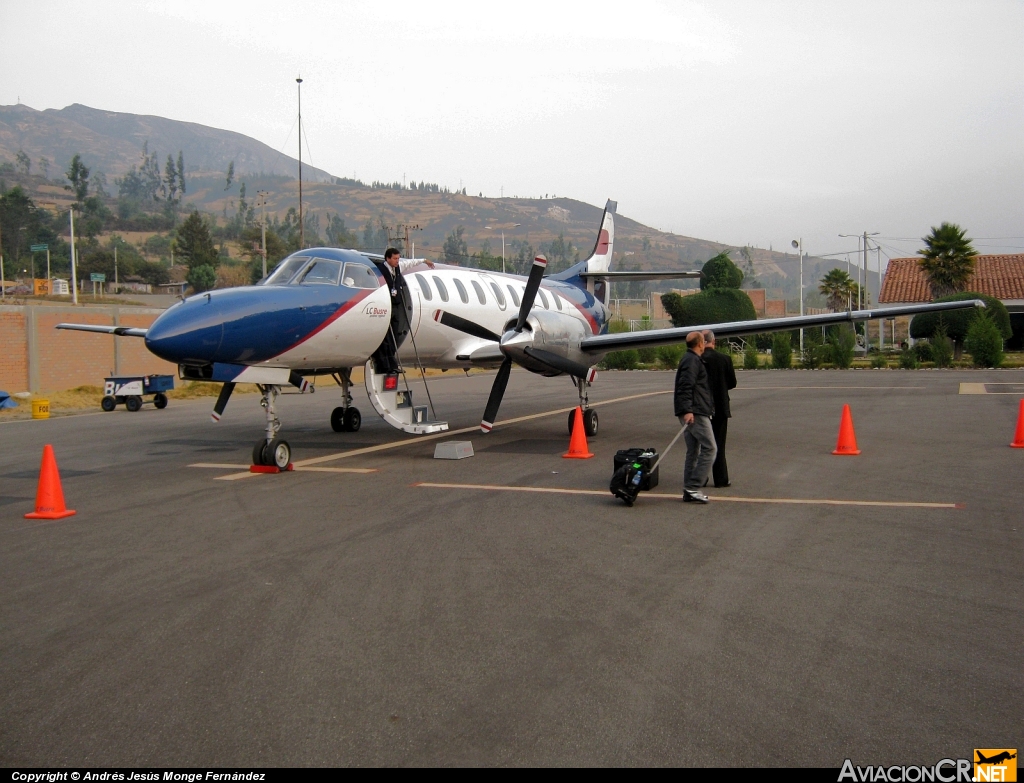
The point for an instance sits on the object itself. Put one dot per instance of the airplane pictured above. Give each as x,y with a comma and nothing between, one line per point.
325,311
996,759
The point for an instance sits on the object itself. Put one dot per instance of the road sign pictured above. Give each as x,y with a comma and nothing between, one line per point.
97,277
39,248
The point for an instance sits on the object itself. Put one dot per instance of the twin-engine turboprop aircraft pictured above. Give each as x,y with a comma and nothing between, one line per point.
323,311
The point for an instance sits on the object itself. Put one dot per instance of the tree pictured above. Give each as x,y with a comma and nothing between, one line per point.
195,245
181,172
338,234
841,342
202,277
838,288
231,175
455,249
276,250
44,166
23,162
713,306
171,179
958,322
78,176
782,351
720,272
947,259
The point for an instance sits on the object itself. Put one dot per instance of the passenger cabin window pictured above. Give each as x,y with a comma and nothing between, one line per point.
440,288
543,299
424,286
479,292
359,276
322,272
498,295
462,291
558,300
286,270
515,296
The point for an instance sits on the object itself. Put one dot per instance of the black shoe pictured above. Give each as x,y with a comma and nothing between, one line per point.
694,497
706,481
723,486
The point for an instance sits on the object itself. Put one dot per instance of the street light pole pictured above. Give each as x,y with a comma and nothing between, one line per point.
74,273
302,226
490,228
799,244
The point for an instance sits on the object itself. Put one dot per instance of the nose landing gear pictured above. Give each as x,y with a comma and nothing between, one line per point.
271,450
590,421
345,418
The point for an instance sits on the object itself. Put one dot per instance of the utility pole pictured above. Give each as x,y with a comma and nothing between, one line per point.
302,225
3,283
799,245
74,273
115,269
261,196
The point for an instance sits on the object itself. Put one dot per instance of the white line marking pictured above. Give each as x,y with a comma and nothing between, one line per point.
662,496
221,465
972,388
425,438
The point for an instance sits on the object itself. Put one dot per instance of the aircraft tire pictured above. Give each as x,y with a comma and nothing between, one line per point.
257,452
277,453
133,403
160,400
353,420
590,422
108,403
338,420
572,419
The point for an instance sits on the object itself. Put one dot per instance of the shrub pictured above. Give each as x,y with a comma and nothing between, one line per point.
669,355
720,272
878,361
908,359
924,352
958,322
840,345
647,355
985,342
622,360
782,351
942,348
750,357
712,306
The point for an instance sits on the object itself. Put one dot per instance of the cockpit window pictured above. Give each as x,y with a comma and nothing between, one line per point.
359,276
286,270
322,272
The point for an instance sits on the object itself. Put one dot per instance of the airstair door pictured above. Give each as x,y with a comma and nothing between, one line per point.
396,405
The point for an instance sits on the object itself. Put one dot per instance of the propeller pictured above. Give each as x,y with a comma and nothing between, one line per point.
501,379
464,325
222,400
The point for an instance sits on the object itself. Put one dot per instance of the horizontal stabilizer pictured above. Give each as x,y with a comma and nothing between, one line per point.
120,331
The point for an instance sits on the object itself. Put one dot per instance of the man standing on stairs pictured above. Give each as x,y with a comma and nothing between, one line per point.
385,358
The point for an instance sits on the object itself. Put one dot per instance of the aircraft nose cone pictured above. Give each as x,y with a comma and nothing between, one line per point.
190,332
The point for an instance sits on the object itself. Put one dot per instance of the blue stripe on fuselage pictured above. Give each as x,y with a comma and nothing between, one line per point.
245,325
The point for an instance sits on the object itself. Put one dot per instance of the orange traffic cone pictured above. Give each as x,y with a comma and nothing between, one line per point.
49,495
1018,438
847,444
578,441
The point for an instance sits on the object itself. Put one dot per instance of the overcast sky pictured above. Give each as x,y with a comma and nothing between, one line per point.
742,122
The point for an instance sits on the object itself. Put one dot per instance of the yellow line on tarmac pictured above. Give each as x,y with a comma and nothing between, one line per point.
448,433
726,498
222,466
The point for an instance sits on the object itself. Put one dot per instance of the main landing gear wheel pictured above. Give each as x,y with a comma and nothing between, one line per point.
160,400
353,420
108,403
133,403
343,420
589,421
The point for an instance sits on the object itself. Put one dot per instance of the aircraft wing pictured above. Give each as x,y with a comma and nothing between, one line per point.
619,277
653,337
121,331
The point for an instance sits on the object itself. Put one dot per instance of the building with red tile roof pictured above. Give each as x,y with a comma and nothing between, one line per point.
998,276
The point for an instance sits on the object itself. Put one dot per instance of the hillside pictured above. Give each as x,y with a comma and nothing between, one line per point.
111,143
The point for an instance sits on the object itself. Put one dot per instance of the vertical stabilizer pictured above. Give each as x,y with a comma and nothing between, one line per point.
601,258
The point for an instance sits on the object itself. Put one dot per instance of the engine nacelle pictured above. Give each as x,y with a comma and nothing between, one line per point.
555,333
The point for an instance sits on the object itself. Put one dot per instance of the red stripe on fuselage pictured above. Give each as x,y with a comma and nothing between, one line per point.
356,299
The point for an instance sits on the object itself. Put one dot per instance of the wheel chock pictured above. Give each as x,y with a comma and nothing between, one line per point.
270,468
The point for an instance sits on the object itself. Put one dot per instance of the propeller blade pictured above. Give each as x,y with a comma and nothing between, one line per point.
497,392
540,263
222,401
567,366
462,325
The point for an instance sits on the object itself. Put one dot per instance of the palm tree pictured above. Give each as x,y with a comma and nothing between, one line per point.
838,288
947,259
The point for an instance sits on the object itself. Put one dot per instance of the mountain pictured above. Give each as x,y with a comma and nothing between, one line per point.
111,142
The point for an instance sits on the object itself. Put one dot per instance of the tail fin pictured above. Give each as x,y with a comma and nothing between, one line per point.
601,258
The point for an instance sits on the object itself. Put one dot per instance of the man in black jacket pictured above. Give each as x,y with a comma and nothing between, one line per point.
694,406
721,378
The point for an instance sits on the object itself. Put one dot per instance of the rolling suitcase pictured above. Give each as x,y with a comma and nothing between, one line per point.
637,471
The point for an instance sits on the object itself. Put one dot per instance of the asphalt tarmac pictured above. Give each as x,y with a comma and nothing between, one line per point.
340,618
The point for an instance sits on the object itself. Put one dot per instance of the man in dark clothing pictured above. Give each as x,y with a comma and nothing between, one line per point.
721,378
385,358
694,406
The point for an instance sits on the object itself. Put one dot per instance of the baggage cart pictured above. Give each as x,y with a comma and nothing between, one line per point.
131,390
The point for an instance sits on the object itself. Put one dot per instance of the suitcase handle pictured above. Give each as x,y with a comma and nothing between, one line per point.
669,447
